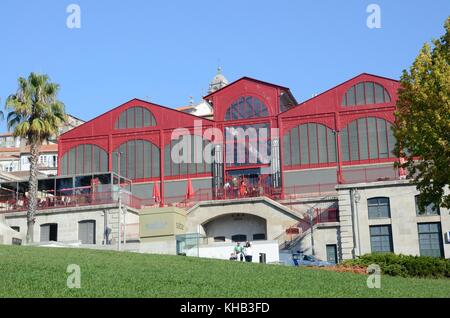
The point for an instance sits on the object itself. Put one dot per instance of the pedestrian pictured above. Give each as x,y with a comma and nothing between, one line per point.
248,252
239,252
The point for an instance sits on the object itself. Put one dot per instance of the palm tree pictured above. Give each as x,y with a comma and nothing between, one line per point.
34,114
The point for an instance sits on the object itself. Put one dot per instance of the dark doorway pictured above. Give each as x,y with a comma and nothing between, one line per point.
86,231
332,253
49,232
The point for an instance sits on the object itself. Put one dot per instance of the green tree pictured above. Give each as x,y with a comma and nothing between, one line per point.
34,114
422,124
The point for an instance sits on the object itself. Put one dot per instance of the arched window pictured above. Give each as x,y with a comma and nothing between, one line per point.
378,207
365,93
138,159
197,163
84,158
135,117
367,138
246,107
309,144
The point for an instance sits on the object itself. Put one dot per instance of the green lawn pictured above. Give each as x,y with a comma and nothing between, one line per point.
41,272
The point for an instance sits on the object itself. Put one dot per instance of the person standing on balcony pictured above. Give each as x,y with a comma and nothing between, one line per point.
235,187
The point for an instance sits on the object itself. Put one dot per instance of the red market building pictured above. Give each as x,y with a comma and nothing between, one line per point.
341,135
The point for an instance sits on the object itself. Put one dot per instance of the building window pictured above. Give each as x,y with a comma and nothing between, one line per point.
245,108
381,239
219,239
239,238
430,239
379,208
309,144
84,158
259,237
196,161
16,228
247,144
430,209
365,93
139,159
135,117
367,138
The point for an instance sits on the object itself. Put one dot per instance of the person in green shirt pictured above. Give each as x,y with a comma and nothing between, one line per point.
238,250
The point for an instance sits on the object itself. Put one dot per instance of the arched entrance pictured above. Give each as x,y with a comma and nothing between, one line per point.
236,227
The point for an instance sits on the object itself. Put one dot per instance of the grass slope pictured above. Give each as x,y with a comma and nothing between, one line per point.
41,272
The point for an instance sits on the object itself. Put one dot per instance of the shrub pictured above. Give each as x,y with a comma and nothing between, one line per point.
405,265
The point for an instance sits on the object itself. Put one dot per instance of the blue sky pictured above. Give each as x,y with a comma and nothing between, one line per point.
166,51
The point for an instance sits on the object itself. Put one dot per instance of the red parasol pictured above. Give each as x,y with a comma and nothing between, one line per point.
189,190
156,195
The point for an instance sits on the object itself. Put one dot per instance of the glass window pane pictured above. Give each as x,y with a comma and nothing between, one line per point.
130,118
147,160
351,96
96,159
64,166
362,137
322,140
123,120
360,94
88,159
344,145
370,99
344,100
382,138
304,150
295,143
103,161
373,140
387,98
147,122
379,94
139,117
80,159
140,158
155,161
167,160
313,143
354,149
331,146
287,149
123,160
391,140
131,159
264,111
240,108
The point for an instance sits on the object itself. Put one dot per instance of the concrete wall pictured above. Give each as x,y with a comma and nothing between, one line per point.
324,234
277,217
232,224
403,218
224,250
68,218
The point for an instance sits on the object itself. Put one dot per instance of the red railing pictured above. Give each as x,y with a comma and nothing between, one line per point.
287,238
20,203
